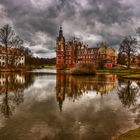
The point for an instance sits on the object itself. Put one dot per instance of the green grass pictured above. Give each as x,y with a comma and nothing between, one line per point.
122,72
44,66
115,70
132,76
130,135
49,66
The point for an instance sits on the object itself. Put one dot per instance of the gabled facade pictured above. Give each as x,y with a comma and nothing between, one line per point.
15,57
71,53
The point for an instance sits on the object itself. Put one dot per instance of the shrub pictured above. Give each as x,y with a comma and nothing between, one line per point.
83,69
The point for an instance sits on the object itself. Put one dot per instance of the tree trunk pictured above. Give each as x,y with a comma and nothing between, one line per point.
129,61
6,55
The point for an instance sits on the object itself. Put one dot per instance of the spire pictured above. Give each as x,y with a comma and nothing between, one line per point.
60,32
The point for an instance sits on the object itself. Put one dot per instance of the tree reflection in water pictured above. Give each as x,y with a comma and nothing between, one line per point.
12,87
73,87
129,94
5,108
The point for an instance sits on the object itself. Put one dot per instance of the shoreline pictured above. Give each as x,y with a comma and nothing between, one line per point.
133,134
133,74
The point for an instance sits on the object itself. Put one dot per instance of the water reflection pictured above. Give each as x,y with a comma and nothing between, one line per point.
74,87
92,108
129,94
11,91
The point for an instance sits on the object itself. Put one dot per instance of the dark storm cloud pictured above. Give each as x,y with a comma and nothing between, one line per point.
26,16
28,19
38,21
108,11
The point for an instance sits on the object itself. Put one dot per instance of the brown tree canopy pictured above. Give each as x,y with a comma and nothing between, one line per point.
9,39
129,47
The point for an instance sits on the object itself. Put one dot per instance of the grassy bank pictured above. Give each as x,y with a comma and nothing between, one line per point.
43,66
119,70
132,76
130,135
24,69
50,66
123,72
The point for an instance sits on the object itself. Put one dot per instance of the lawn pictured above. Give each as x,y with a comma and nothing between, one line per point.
132,76
130,135
123,72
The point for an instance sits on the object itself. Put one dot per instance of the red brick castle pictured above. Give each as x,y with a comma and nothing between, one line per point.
71,53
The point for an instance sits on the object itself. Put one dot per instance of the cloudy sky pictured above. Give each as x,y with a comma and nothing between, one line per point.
93,21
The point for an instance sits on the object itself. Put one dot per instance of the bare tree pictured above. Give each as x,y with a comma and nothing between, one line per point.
17,42
121,59
128,47
6,36
8,40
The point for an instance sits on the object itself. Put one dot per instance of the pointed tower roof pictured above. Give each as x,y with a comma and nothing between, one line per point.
60,32
60,36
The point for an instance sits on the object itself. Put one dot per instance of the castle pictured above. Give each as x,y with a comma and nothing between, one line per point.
71,53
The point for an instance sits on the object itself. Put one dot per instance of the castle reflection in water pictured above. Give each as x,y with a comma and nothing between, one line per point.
73,87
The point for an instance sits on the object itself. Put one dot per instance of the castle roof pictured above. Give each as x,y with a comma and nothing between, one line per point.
11,51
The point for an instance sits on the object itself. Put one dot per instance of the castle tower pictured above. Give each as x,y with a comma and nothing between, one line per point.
60,50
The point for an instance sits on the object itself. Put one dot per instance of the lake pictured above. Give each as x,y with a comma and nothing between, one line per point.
42,106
